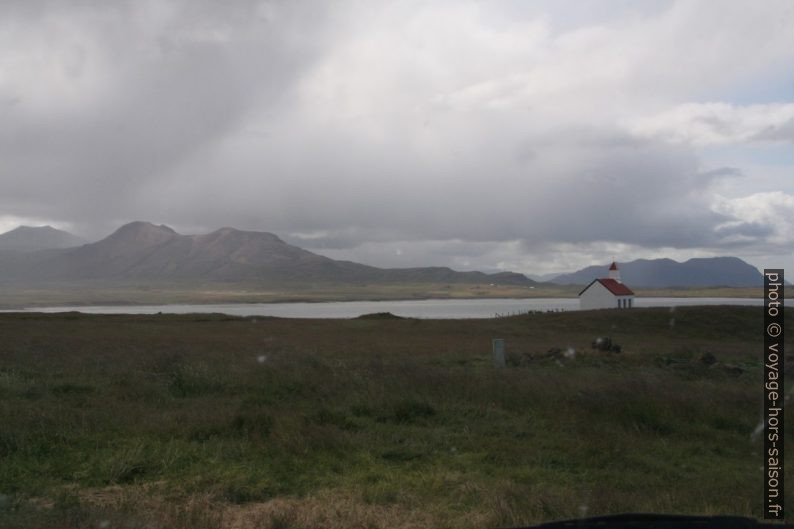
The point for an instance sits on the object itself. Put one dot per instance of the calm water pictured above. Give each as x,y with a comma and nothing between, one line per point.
427,308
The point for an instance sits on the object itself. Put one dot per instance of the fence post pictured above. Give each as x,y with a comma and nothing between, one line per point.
498,352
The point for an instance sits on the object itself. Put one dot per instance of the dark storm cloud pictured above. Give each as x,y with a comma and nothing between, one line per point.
626,190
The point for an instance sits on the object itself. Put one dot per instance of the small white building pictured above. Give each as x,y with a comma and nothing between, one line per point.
607,293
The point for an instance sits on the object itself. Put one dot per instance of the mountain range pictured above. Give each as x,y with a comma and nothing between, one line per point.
141,250
664,273
145,251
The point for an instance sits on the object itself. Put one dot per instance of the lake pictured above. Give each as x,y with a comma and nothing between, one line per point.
425,308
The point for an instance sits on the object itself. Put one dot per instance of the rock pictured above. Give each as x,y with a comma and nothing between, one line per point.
605,344
554,352
707,359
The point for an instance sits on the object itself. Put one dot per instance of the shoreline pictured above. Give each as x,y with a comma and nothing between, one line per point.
366,306
52,296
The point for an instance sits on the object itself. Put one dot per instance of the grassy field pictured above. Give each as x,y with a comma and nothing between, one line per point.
207,421
99,293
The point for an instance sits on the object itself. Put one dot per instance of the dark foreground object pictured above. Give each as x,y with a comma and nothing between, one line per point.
661,521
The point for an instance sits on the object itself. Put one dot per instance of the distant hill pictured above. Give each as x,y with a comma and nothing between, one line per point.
31,239
543,278
663,273
141,250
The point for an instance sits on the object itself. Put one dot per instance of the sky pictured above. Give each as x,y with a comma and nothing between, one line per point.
532,136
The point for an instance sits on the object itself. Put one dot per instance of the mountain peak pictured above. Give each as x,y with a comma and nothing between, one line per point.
141,232
23,228
33,238
234,232
145,225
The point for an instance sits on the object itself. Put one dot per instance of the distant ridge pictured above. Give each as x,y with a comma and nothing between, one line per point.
142,250
544,278
34,238
666,273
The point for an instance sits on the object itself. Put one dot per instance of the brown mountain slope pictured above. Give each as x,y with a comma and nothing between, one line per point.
141,250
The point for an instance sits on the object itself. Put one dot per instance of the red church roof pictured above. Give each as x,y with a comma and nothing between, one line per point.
616,287
614,266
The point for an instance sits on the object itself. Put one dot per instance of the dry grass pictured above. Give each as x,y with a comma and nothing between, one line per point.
211,421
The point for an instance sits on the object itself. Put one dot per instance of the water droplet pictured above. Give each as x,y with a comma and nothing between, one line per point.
758,429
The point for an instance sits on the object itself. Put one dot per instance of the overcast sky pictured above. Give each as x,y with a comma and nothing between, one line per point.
521,135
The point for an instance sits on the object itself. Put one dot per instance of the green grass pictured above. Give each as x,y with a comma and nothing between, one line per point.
216,421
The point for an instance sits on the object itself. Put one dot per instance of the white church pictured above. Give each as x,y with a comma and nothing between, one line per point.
607,293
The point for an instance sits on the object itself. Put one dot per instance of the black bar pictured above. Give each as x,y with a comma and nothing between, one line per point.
658,521
774,394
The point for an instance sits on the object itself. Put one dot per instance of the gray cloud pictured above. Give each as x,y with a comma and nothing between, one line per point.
141,91
411,133
782,132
